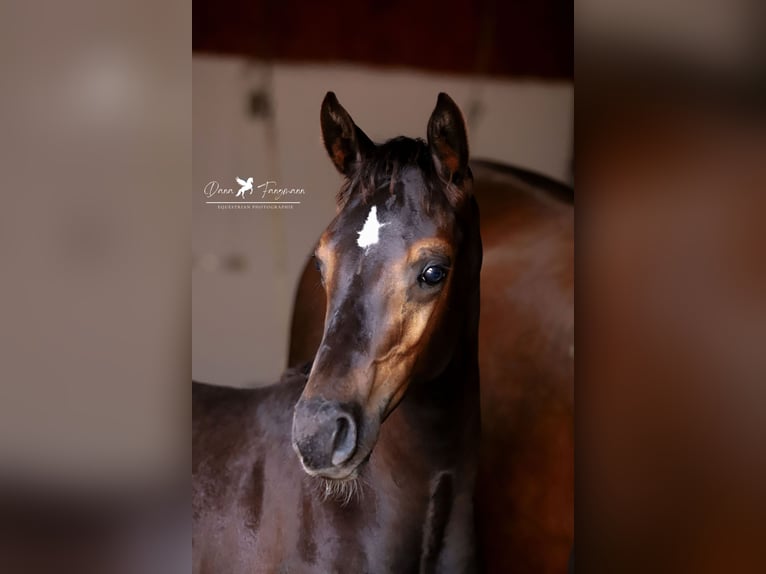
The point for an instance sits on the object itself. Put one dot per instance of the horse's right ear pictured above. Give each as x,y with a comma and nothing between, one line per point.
345,142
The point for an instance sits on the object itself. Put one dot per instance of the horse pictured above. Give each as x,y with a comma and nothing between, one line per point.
525,493
364,460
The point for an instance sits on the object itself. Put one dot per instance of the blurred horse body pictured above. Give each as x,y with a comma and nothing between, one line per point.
525,486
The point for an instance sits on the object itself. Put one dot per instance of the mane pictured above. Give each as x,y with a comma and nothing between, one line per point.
381,169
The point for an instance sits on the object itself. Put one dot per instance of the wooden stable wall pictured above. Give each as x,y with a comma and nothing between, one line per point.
514,38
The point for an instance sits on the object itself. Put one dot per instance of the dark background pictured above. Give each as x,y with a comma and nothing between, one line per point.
519,38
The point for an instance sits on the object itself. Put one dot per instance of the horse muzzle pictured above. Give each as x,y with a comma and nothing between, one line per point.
325,437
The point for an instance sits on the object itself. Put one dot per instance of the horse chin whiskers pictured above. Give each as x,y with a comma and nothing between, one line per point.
343,491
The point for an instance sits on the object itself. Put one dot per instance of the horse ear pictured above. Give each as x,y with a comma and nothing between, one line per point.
345,142
448,141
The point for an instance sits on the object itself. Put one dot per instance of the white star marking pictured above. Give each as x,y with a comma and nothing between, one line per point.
369,235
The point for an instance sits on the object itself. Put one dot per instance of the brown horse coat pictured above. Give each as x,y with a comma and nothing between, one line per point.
525,499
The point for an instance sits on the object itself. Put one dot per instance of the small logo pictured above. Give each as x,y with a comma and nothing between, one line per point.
271,196
246,186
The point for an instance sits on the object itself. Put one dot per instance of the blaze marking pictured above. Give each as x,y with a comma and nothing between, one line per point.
369,234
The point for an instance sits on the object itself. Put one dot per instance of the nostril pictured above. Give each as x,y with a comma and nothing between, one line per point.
344,440
341,432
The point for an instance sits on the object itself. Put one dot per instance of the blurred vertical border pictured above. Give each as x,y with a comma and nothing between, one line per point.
95,161
671,287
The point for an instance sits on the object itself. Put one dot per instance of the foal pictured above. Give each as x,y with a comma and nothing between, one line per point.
364,461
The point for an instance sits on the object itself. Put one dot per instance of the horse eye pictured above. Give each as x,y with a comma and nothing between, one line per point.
433,275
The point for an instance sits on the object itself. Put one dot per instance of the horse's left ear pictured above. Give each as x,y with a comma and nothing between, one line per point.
448,141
